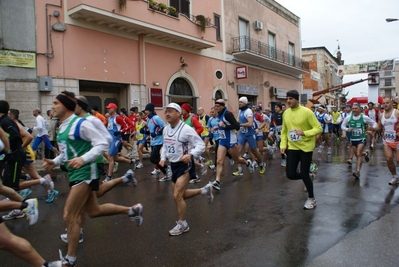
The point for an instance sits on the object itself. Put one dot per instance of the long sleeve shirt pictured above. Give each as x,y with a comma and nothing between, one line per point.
41,126
299,118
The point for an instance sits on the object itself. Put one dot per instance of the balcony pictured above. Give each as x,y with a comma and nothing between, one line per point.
138,18
255,52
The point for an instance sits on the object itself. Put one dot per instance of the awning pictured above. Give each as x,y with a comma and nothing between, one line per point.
363,100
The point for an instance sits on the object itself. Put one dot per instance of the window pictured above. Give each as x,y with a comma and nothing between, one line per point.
219,95
388,82
182,6
272,45
216,18
219,74
291,54
243,31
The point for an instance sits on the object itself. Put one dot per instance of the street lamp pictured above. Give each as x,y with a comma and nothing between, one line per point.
391,19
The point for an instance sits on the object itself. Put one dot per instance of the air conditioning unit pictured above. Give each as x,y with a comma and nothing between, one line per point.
258,25
273,91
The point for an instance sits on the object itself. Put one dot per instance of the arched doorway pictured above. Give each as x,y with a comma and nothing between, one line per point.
181,92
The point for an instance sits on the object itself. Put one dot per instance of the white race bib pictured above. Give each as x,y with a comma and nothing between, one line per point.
63,151
222,134
390,136
243,129
356,132
294,137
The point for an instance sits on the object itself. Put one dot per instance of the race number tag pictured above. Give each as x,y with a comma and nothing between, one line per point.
390,136
356,132
294,137
243,129
222,134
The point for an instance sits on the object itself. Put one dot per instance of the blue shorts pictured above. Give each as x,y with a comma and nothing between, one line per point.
250,139
205,136
39,139
140,142
180,168
114,147
358,142
226,143
260,137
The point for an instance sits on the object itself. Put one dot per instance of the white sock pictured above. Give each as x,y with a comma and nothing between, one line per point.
125,179
42,180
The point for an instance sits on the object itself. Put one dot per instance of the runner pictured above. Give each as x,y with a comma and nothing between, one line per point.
42,133
246,135
388,122
81,144
298,133
140,137
227,141
355,124
324,119
182,145
373,114
275,132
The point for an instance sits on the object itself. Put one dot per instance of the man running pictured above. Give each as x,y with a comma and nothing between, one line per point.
355,124
227,141
275,131
388,122
81,144
42,133
373,114
298,133
181,145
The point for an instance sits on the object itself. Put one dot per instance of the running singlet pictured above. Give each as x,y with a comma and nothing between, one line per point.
202,121
243,118
139,126
359,130
391,128
175,148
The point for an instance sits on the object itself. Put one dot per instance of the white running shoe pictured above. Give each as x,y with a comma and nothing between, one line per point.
179,229
310,204
156,171
116,165
32,212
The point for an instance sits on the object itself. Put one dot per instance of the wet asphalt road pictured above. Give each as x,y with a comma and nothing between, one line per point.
255,220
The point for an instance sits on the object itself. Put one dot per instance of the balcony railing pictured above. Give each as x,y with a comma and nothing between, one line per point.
245,43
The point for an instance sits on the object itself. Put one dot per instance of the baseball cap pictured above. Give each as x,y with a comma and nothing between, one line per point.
174,106
112,105
258,108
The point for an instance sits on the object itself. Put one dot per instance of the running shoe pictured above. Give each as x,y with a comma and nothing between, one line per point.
394,181
67,263
139,166
32,212
208,192
51,195
179,229
165,178
197,179
328,150
216,185
209,162
262,168
64,237
138,214
349,161
283,162
371,147
239,172
356,174
366,156
130,176
270,150
24,193
250,167
116,165
14,214
255,164
310,204
54,264
232,162
107,179
156,171
133,163
245,156
212,167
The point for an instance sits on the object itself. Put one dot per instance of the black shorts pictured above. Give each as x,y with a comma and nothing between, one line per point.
125,137
94,184
180,168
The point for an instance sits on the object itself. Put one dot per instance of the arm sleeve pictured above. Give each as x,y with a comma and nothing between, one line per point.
230,118
159,121
39,124
344,124
369,121
316,127
98,124
119,120
197,126
284,135
98,141
196,142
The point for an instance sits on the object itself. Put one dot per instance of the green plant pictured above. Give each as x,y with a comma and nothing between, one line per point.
202,21
153,4
172,11
162,7
122,4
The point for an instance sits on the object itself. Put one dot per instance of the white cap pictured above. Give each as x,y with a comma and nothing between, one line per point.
243,99
175,106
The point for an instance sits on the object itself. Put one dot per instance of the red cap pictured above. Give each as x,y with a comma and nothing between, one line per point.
186,107
112,105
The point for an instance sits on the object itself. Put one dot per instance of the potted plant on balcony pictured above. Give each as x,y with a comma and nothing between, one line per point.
172,11
122,4
162,7
153,5
202,21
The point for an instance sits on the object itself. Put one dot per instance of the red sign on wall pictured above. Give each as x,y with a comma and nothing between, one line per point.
242,72
156,97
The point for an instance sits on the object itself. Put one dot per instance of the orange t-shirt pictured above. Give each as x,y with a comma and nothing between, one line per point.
101,117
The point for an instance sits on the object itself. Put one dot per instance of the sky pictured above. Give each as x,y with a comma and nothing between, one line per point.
359,26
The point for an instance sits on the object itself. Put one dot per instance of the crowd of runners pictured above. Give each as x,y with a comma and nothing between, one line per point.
82,143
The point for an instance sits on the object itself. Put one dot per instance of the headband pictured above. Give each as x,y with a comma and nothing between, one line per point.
82,104
68,102
220,103
293,95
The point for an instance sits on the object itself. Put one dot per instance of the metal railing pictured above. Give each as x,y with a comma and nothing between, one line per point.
245,43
